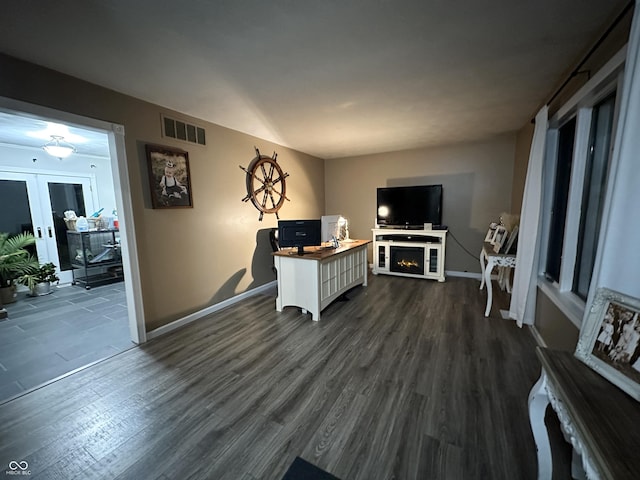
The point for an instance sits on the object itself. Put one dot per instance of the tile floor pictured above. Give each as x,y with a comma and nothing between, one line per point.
49,336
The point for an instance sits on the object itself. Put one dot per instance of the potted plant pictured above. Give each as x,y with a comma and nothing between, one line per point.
15,261
39,282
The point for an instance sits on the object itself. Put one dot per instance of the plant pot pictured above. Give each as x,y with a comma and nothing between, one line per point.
8,295
42,288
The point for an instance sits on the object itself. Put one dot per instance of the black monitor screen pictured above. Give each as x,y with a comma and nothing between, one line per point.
409,206
299,234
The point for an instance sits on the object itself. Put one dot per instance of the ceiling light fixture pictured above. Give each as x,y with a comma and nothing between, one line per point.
58,148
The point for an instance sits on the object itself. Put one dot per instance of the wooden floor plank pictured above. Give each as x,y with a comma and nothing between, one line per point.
406,380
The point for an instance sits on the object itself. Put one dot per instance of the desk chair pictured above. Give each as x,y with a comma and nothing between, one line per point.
275,246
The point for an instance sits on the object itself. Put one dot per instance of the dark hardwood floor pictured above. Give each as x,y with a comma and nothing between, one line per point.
405,380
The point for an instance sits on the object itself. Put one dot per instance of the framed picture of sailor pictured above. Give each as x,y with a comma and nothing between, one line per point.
169,177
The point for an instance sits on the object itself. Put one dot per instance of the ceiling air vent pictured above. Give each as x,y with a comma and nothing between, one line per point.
184,131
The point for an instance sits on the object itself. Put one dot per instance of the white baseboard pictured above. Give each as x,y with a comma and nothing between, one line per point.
208,310
454,273
477,276
536,335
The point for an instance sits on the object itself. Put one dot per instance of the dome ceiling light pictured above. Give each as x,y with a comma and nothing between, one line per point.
58,148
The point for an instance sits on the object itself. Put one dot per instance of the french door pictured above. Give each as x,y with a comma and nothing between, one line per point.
36,202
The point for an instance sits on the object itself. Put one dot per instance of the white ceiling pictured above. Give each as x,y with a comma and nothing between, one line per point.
27,131
332,78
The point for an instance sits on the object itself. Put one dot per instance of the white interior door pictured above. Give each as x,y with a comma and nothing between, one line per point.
36,202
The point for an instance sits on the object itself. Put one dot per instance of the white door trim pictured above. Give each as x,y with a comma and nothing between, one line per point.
124,203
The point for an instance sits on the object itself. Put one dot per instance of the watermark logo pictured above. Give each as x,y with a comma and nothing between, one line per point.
18,468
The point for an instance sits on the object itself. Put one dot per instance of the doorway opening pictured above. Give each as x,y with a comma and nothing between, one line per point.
38,190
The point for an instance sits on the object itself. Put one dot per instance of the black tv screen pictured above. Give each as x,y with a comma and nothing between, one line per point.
409,207
299,233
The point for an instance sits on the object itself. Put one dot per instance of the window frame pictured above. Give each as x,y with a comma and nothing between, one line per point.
553,137
605,82
592,166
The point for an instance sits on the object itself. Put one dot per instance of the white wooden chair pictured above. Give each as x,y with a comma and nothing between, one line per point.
494,255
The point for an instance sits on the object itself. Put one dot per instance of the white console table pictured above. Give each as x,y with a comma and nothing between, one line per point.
313,280
429,245
597,418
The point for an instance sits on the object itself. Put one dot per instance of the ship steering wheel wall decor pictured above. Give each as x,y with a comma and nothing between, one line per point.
266,186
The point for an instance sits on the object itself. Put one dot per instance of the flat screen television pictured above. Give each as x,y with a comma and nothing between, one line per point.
409,207
299,234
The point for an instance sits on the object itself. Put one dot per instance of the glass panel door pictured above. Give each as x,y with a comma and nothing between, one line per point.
18,208
59,194
63,197
15,214
36,203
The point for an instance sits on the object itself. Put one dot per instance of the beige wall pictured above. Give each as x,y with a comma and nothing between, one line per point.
476,179
611,44
189,258
616,39
553,326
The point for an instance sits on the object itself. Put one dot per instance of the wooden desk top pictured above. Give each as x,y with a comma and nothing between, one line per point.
320,253
607,419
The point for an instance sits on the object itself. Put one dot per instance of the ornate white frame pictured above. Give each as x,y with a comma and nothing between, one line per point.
499,238
590,330
491,233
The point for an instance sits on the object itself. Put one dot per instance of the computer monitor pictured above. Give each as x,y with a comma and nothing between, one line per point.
330,227
299,234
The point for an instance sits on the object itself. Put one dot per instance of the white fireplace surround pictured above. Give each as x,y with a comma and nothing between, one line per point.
432,241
